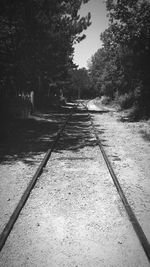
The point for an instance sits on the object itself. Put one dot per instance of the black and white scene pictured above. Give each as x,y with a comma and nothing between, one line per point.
75,133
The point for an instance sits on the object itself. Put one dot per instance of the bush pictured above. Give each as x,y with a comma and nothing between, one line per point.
107,89
105,100
125,101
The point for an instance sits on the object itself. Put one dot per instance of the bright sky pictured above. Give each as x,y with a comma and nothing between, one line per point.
86,48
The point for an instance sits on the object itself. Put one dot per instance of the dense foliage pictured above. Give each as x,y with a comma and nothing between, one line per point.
36,48
120,69
80,84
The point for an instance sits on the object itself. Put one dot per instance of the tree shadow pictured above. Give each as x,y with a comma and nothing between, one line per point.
134,115
77,134
145,135
23,139
99,111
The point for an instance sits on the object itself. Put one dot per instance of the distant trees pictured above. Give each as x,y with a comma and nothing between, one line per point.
36,48
80,84
121,67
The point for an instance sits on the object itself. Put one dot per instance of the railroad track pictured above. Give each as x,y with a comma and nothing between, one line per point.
136,225
132,217
9,225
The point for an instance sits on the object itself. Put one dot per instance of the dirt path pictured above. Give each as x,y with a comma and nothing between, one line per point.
21,152
74,216
129,154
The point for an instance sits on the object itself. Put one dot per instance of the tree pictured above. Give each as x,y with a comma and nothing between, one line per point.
79,83
37,43
126,45
130,34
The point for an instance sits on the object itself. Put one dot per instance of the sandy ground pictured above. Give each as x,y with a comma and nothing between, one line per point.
129,153
74,216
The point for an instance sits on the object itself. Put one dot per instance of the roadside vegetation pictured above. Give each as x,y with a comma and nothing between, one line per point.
36,48
119,71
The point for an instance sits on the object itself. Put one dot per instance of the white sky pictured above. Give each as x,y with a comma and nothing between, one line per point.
86,48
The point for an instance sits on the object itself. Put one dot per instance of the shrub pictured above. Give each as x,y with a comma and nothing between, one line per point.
105,100
125,101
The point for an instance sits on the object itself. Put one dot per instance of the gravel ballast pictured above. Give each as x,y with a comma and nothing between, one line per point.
74,216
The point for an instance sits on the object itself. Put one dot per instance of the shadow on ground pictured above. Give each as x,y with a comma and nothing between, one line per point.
98,111
134,114
23,139
77,134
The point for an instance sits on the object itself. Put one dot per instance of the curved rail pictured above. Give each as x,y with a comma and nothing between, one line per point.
7,229
132,217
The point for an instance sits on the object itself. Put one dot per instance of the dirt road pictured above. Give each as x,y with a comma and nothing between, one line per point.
74,216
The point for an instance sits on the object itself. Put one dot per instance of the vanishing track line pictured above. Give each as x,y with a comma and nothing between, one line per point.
131,215
13,218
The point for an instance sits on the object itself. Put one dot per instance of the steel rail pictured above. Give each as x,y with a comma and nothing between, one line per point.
132,217
13,218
